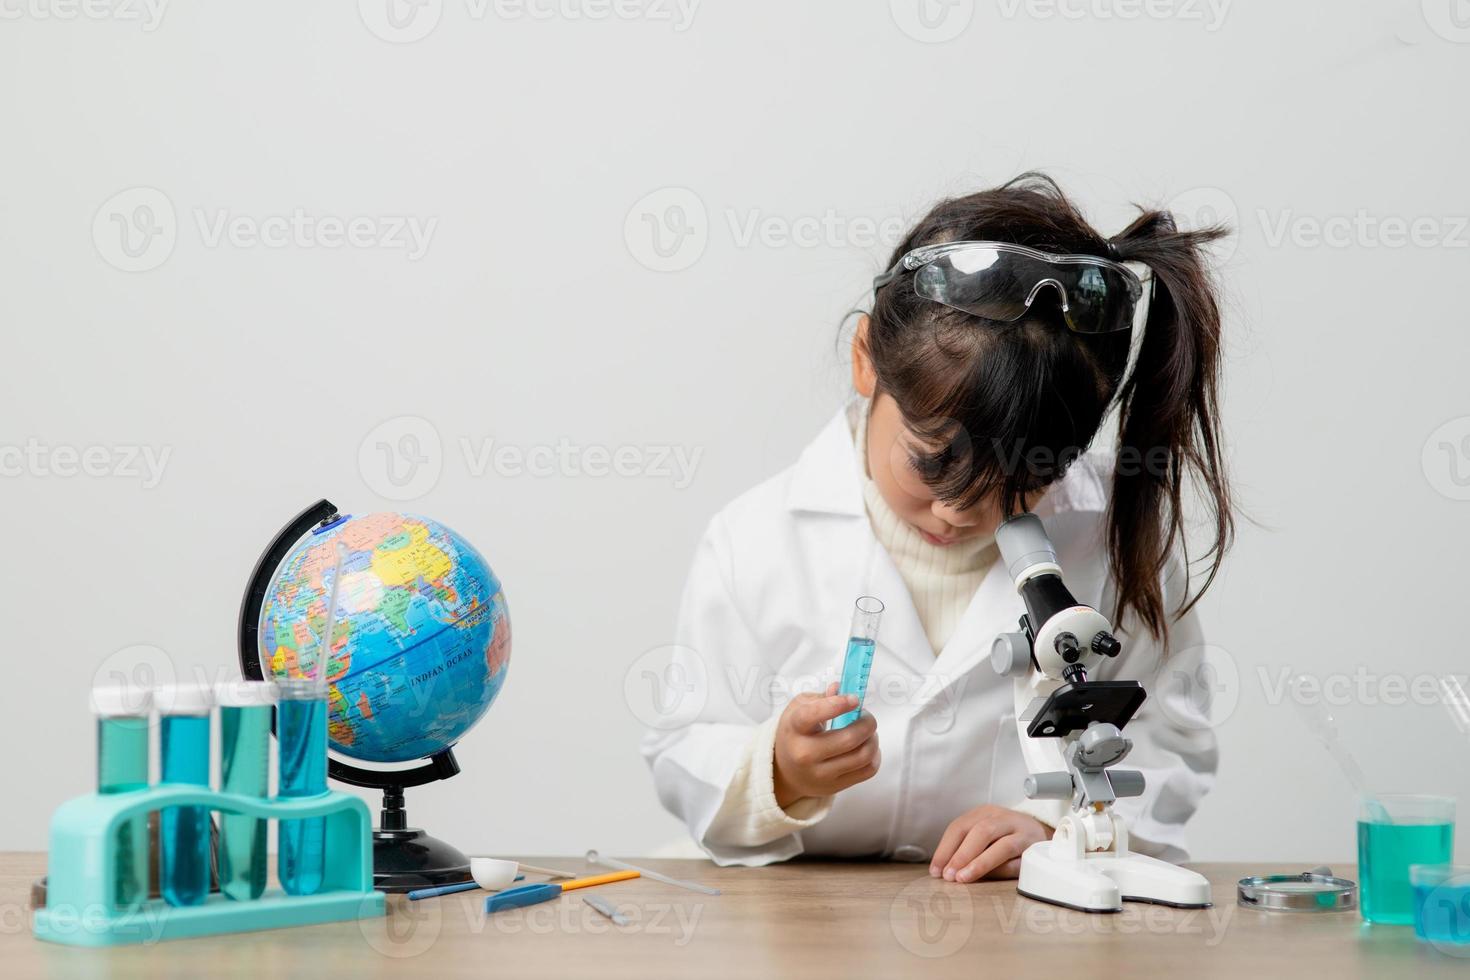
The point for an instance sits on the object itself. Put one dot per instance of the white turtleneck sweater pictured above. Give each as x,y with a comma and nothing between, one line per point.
941,581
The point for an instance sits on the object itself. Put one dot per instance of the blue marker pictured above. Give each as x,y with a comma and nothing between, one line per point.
858,662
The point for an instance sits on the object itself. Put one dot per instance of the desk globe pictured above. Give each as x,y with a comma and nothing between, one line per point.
419,652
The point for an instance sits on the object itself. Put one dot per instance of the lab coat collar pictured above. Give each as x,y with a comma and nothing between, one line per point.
825,480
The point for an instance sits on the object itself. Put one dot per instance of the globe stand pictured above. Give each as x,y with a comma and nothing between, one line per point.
404,857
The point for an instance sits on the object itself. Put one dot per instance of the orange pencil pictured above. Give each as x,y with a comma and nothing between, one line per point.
567,886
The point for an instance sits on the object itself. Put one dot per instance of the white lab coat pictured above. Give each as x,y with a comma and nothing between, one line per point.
765,615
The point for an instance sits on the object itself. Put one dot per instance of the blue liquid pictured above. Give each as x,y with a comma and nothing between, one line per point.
245,735
1385,852
183,864
1442,912
856,665
301,729
122,766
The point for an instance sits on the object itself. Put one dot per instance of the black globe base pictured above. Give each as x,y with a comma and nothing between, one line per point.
405,858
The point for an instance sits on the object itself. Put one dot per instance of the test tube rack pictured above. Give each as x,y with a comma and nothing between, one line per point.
83,861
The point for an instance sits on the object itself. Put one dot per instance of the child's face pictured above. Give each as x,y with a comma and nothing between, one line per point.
890,452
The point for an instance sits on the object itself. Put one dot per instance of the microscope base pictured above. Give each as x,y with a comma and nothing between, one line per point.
1102,881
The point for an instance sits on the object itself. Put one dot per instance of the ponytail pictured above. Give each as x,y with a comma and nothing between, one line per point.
1169,423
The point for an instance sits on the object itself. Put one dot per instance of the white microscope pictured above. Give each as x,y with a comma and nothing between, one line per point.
1071,734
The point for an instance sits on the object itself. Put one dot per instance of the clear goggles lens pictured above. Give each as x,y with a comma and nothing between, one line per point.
1000,283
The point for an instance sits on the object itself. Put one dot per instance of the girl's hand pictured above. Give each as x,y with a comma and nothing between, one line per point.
811,761
986,842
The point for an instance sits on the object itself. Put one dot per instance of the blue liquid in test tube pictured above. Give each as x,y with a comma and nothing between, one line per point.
858,661
122,767
301,730
183,863
245,733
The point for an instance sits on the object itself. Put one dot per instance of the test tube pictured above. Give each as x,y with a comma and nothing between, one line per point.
183,861
857,663
244,765
122,766
301,730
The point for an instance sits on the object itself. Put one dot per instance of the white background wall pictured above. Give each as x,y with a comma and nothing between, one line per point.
537,314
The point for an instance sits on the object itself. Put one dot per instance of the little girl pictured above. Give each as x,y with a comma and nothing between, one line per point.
998,342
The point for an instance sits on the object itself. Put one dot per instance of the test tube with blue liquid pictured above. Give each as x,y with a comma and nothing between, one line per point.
857,663
301,730
244,749
123,712
183,861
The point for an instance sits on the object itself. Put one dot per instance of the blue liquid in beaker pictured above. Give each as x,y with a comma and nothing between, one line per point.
1385,851
301,729
183,864
1442,911
856,665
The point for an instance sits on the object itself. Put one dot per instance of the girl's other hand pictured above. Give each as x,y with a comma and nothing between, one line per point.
986,842
812,761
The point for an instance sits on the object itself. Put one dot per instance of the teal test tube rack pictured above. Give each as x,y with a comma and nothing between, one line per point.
81,898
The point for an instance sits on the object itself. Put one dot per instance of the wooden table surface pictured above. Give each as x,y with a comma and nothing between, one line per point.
805,919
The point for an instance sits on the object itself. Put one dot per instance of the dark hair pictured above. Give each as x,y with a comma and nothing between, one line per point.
1005,408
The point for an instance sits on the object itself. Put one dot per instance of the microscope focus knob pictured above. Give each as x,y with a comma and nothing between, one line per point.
1049,786
1010,654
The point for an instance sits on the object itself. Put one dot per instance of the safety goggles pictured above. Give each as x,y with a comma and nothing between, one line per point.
1000,281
